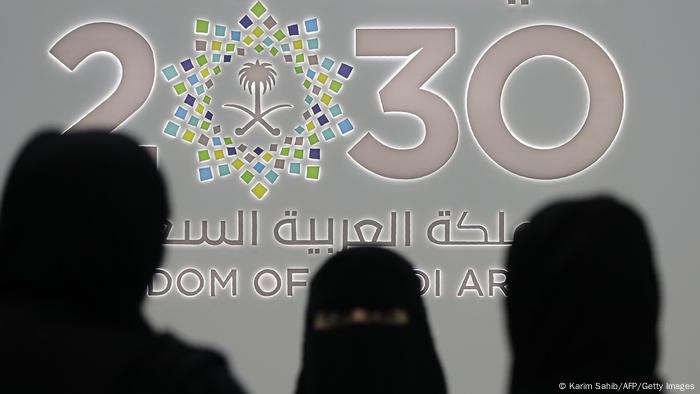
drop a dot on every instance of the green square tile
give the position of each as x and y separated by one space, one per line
205 125
247 176
228 140
284 151
279 35
335 86
258 9
313 139
230 47
202 60
202 26
274 51
217 70
307 84
313 172
299 69
180 88
299 58
207 99
203 155
298 153
259 48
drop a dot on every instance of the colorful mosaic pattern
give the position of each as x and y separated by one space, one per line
221 154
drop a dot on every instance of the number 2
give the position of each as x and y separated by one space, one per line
137 63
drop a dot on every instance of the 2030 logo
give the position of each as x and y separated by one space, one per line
297 150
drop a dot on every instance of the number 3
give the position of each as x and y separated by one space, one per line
404 93
137 62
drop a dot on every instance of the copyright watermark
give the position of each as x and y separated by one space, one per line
628 386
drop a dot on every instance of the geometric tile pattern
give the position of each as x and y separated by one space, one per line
296 152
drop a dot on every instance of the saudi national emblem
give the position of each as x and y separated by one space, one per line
254 77
251 49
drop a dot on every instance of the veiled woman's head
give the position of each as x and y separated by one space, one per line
82 222
367 329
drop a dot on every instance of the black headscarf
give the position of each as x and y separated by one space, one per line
89 200
81 234
583 298
368 358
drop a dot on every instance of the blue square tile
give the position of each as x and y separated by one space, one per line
231 151
209 115
328 134
259 167
170 72
311 74
322 120
271 176
180 113
293 30
312 43
327 63
315 154
189 100
336 111
187 65
224 170
171 129
192 79
311 25
216 141
245 22
345 126
235 35
344 70
205 174
316 108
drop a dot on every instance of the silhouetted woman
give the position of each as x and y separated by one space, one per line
81 231
367 330
583 298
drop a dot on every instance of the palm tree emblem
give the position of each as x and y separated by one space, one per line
255 77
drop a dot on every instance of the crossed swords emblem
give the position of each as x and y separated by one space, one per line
253 77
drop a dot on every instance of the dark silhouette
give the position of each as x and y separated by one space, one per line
583 298
81 231
367 330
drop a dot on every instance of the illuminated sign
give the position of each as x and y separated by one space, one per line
221 151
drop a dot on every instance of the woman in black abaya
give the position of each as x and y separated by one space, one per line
81 233
583 299
367 329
